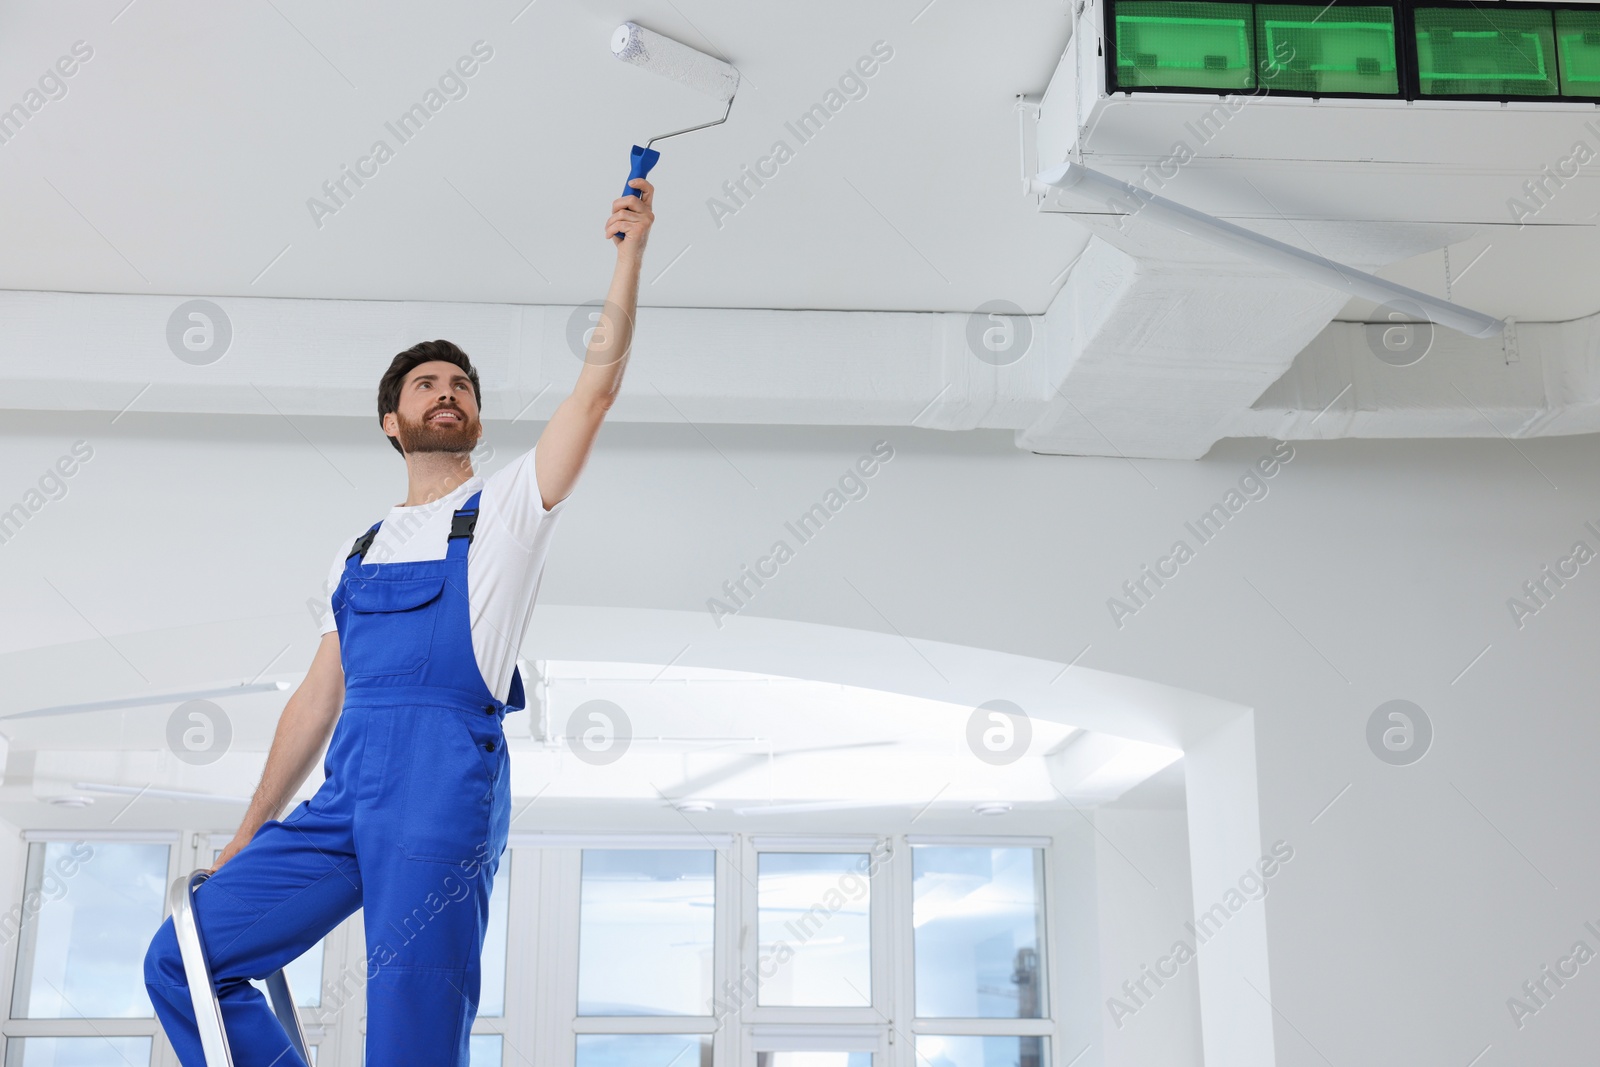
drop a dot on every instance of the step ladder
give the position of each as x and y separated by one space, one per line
207 1010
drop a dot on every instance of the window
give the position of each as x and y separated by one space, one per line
84 917
640 1050
645 932
88 909
76 1051
979 932
492 979
483 1050
979 947
814 914
819 1047
969 1051
674 950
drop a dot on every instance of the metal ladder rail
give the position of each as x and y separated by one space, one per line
207 1009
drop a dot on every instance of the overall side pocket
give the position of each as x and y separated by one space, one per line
448 791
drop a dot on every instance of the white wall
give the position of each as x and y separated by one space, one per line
1414 906
1142 871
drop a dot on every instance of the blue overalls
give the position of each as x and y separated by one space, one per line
409 826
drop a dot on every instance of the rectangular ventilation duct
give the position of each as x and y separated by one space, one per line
1406 49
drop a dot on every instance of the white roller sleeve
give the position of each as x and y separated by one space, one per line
632 43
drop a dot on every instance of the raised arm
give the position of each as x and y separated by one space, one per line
564 445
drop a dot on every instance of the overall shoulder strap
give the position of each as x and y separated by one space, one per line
462 524
364 542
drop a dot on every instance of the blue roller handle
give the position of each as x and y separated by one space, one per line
640 160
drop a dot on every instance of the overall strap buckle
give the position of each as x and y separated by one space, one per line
464 519
363 543
463 523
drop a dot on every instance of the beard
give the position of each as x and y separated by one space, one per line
425 436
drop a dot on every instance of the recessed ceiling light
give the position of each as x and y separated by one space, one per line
71 800
992 807
693 805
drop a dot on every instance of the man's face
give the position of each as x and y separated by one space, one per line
437 412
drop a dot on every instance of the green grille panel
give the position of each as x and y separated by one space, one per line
1486 51
1408 49
1171 44
1328 49
1578 46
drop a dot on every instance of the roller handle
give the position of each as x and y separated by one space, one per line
640 161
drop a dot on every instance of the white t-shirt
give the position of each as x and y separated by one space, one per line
504 562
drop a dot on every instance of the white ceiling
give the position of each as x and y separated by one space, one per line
181 159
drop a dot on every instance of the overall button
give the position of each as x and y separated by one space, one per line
489 710
489 745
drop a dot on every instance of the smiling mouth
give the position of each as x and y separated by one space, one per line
446 415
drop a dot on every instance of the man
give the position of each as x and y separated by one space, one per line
412 680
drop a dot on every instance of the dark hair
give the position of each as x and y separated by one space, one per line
407 361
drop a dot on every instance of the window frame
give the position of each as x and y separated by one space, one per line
561 857
544 896
1048 1025
150 1027
880 948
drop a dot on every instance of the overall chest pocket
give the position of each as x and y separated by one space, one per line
390 624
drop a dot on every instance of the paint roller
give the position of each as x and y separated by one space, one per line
632 43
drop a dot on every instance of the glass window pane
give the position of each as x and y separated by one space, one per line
1329 50
87 915
815 946
1578 37
814 1059
77 1051
978 932
305 977
937 1051
643 1050
645 932
1472 51
304 974
492 988
483 1050
1178 43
